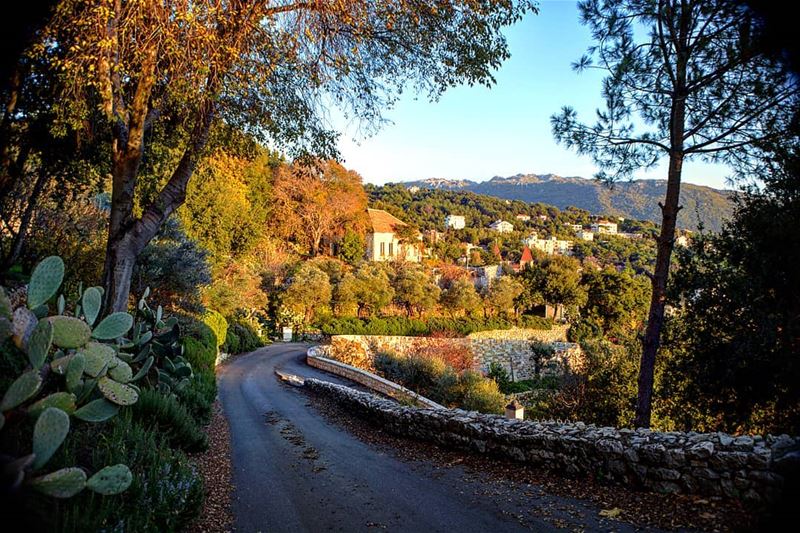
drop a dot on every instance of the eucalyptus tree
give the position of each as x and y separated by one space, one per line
266 67
685 79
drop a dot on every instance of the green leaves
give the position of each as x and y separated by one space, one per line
113 326
63 483
98 410
23 388
60 400
98 356
110 480
45 281
49 432
75 369
92 300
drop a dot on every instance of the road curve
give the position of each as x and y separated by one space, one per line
293 470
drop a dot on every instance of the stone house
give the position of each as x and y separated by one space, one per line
383 243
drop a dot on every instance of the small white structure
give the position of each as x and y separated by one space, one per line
455 221
287 334
515 410
549 246
523 218
604 226
585 235
501 226
575 227
682 240
382 242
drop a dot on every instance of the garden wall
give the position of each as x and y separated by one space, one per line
713 464
508 348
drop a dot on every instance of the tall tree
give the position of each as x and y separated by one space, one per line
685 79
264 67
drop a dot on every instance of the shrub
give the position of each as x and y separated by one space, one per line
218 325
166 413
242 336
477 393
166 493
200 346
199 395
451 327
231 345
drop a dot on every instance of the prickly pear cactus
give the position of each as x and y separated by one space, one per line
98 356
49 432
110 480
92 300
45 281
98 410
39 343
113 326
118 393
121 372
61 400
70 332
23 388
64 483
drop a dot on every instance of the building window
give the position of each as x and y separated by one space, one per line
391 249
383 249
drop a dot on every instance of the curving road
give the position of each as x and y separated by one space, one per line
295 471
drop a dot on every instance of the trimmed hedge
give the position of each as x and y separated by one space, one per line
414 327
242 337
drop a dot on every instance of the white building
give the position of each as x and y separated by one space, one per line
501 226
585 235
455 221
575 227
523 218
383 244
548 246
604 226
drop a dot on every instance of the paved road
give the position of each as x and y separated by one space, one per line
295 471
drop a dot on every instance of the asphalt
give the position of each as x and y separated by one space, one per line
296 471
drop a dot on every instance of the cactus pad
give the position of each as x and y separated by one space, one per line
70 332
59 365
63 483
49 432
144 370
119 393
23 388
6 329
98 410
75 369
121 372
61 400
45 281
92 300
98 356
110 480
113 326
23 325
39 343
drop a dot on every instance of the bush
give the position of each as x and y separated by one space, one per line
218 325
231 345
453 327
477 393
165 413
242 336
199 395
166 493
433 378
200 347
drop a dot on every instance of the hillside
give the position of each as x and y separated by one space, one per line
635 199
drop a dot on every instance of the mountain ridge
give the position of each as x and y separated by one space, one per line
702 205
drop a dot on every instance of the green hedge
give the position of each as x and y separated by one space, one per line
242 337
415 327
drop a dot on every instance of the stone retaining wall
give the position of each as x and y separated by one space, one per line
315 357
699 463
508 348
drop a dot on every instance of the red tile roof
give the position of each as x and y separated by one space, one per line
527 256
383 222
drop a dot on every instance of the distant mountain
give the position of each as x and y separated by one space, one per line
631 199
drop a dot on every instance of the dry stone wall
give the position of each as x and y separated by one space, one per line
698 463
508 348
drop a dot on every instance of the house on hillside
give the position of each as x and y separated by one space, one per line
585 235
548 246
604 226
384 243
523 218
526 258
455 222
501 226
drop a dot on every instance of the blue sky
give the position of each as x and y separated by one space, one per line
477 133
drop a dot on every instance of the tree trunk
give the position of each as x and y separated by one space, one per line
666 239
25 220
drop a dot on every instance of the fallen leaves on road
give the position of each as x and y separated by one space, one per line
215 467
611 513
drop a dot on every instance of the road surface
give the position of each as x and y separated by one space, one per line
295 471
